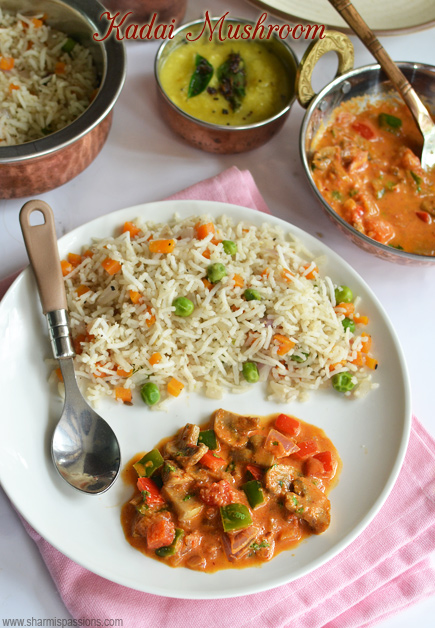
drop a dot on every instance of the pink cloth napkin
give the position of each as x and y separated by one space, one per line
384 570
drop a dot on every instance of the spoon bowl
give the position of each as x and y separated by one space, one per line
84 448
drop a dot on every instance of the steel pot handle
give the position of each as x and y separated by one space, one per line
333 41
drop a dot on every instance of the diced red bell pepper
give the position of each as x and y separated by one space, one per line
211 461
255 471
288 424
306 448
364 130
160 533
328 462
150 492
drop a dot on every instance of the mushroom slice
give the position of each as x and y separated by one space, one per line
184 447
310 504
234 429
279 477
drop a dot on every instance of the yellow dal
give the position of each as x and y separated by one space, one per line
268 87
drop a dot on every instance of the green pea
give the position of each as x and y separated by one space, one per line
250 372
342 382
183 306
302 357
150 393
69 45
230 247
216 272
348 324
343 294
252 295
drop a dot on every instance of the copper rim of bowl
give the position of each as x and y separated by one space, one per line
212 125
388 251
112 79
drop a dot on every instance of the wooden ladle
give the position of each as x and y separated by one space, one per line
396 76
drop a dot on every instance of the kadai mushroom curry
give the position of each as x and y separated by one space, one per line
366 166
234 493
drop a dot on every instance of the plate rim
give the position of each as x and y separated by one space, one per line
338 547
263 4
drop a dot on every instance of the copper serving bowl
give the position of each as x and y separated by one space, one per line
365 81
44 164
215 138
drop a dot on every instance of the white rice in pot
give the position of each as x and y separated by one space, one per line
206 350
42 87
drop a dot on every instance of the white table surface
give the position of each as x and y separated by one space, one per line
144 161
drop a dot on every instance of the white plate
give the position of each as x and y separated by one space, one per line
370 434
384 18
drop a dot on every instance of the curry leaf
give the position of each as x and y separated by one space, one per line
201 76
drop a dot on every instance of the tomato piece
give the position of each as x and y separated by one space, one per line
160 533
255 471
364 130
328 462
306 448
217 494
288 424
150 491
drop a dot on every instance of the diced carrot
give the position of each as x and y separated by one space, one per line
207 254
13 87
345 308
111 266
152 494
82 289
77 342
238 281
306 448
212 461
36 22
371 363
29 43
313 273
285 344
155 358
361 320
135 297
7 63
60 67
122 373
202 231
66 267
88 253
124 394
360 359
287 275
160 533
59 374
74 259
215 241
367 342
162 246
151 319
131 228
334 366
174 387
266 272
207 283
288 425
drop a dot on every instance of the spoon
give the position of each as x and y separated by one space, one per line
84 448
396 76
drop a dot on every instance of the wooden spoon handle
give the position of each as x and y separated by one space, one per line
359 26
41 246
396 76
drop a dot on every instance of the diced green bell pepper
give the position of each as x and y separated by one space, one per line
235 517
146 466
169 550
208 437
254 493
